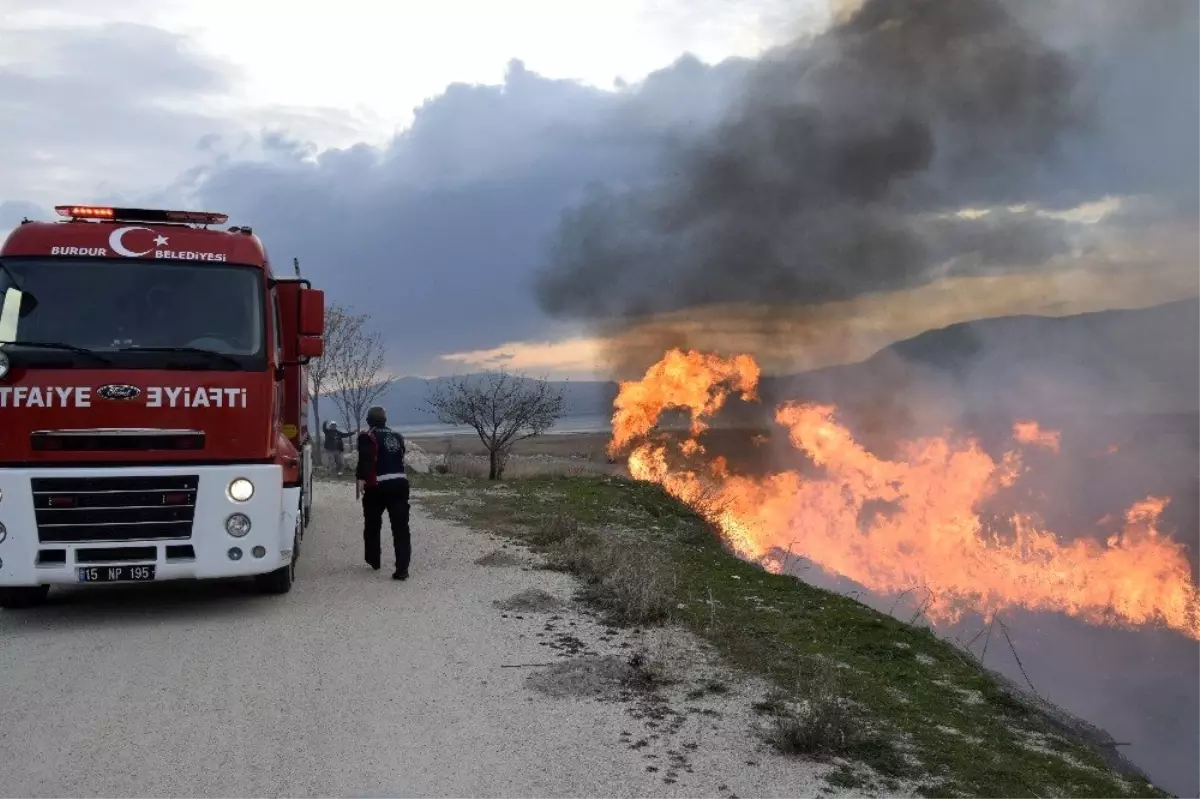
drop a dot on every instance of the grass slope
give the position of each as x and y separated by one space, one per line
853 683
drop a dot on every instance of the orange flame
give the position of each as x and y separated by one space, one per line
931 536
1030 432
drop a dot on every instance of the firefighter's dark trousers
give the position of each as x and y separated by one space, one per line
390 496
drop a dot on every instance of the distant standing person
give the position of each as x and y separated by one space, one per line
335 446
384 486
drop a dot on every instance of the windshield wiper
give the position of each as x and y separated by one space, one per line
195 350
57 345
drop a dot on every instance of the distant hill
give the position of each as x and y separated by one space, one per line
1122 361
1150 345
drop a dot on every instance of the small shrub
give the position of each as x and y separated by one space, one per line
633 591
554 530
627 583
823 724
582 555
796 734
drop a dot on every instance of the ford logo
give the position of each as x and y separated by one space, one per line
118 392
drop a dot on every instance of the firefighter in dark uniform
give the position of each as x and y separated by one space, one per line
384 487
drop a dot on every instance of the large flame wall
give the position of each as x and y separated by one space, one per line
930 535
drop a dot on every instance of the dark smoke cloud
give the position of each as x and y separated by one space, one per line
839 170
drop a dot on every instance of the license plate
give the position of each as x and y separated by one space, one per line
116 574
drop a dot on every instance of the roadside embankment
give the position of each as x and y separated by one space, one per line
885 706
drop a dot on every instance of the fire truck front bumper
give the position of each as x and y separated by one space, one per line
103 525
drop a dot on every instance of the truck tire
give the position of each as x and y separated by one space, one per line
280 581
23 596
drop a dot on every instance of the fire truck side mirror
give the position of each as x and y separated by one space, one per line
312 315
310 347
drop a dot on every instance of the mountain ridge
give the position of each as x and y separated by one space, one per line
1145 359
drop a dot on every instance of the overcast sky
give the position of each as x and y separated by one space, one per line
418 157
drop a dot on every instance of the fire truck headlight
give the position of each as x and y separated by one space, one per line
241 489
3 365
237 525
3 532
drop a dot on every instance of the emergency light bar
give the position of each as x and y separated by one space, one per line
140 215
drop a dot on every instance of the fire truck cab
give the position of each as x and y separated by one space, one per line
153 403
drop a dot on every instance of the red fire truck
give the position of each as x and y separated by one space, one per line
153 411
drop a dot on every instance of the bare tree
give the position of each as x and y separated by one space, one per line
357 378
342 331
502 408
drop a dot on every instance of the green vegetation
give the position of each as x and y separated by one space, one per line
852 682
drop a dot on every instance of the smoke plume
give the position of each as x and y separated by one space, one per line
841 170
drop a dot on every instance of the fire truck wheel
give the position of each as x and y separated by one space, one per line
19 597
280 581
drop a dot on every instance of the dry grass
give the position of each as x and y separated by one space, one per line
628 583
582 554
518 467
587 446
633 591
555 530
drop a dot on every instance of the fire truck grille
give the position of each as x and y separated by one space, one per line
120 441
89 509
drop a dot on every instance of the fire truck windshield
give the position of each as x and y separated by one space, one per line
138 314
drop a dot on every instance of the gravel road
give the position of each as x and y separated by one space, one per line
354 685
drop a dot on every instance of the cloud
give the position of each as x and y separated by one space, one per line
103 111
437 235
440 233
577 356
101 108
12 212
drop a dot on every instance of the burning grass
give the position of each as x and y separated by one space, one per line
854 683
913 517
